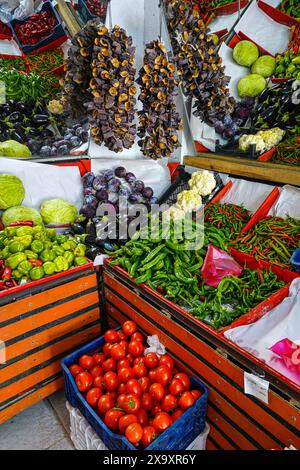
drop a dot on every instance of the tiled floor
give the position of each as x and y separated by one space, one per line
43 426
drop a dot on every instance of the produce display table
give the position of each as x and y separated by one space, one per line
265 171
237 421
39 326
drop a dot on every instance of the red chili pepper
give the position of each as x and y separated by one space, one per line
6 275
36 262
18 223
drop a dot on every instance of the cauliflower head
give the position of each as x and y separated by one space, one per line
249 139
188 201
202 182
271 137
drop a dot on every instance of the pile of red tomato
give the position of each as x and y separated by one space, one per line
136 395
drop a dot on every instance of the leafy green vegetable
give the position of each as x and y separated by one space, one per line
21 213
264 66
251 85
12 191
245 53
58 211
12 148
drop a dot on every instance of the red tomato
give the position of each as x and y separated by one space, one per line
156 409
121 336
112 394
162 421
166 360
135 348
186 400
110 380
196 394
176 387
123 363
137 336
111 336
168 403
133 386
132 403
105 403
156 391
109 364
125 374
124 345
96 371
121 388
121 400
99 358
163 375
146 401
86 362
111 419
117 352
139 361
130 358
75 369
145 383
98 382
134 433
152 375
106 349
140 370
84 381
184 379
92 396
142 417
176 414
151 360
125 421
129 327
149 435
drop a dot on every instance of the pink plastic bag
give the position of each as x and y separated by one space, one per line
218 264
289 352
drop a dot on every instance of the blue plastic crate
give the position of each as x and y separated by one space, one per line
178 437
57 33
295 260
84 12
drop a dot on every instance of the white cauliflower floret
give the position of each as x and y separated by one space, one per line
174 213
249 139
272 137
188 201
202 182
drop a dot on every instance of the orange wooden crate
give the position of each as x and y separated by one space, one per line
40 328
237 421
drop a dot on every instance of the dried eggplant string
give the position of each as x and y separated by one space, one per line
159 122
113 89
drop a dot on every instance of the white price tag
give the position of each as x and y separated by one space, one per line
99 260
256 386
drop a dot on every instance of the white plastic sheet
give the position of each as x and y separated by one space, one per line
232 69
10 48
43 182
152 173
281 322
288 203
248 193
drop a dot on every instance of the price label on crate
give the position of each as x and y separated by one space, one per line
256 387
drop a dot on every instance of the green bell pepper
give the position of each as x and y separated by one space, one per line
37 246
39 233
23 231
47 255
61 239
10 231
79 250
80 260
61 264
31 255
72 244
5 253
13 261
25 239
16 247
68 255
51 233
16 274
49 268
67 246
37 273
24 267
58 250
48 245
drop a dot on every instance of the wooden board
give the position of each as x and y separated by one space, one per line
245 167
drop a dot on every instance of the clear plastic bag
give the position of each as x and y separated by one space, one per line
155 346
24 9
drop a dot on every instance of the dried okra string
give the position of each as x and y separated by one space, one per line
159 121
113 89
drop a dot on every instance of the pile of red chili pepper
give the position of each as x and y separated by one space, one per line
5 30
97 7
45 61
273 239
288 152
37 27
294 39
6 281
228 218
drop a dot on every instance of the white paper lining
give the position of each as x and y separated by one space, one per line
248 193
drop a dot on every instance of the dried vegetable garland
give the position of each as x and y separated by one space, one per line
198 64
159 122
113 89
78 74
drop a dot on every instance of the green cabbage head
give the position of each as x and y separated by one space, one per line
251 85
58 211
21 213
12 191
264 65
245 53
